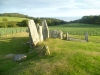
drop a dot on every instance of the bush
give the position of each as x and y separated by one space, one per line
11 24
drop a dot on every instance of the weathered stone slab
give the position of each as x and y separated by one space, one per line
54 34
60 34
86 36
19 57
67 36
33 34
40 33
45 30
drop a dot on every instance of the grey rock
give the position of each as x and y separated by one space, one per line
45 30
86 36
67 36
46 50
40 33
33 34
19 57
56 34
60 34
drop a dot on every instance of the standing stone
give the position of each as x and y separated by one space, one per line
33 34
45 30
60 34
40 33
67 36
86 36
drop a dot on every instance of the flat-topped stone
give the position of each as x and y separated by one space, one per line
56 34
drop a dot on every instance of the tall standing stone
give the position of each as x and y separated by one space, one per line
45 30
60 34
33 32
67 36
40 33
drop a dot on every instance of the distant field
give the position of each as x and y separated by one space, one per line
12 19
6 31
74 29
78 29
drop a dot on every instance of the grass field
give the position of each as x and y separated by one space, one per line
67 57
6 31
12 19
74 29
78 29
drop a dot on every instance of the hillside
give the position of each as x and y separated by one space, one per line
18 19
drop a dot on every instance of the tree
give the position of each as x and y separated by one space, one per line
4 23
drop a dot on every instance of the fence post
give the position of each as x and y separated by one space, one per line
67 36
86 36
0 34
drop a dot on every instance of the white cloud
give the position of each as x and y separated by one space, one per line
51 8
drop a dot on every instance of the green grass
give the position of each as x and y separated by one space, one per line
67 57
12 19
78 29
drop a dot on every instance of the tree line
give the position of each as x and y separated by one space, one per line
23 23
14 15
92 19
6 23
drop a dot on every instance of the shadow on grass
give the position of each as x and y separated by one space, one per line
13 45
18 45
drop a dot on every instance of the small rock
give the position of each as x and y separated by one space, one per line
19 57
46 50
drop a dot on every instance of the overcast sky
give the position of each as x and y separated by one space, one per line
51 8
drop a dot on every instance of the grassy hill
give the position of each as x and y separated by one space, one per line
12 19
67 57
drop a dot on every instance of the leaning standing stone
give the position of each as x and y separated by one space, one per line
33 34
